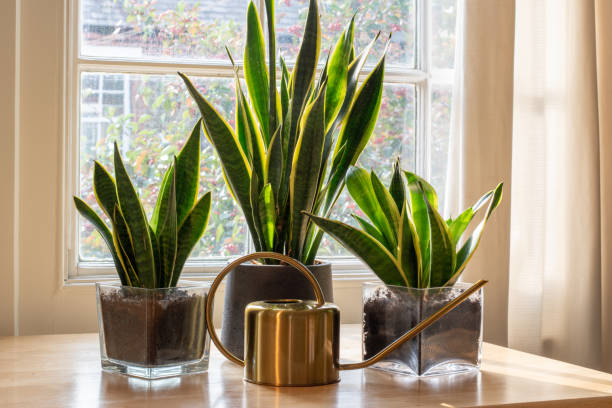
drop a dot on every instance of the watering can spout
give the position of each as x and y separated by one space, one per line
291 342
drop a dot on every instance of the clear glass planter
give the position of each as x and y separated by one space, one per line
153 333
451 345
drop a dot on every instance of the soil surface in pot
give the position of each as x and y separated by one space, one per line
389 313
153 329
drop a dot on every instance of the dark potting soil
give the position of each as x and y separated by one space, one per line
389 313
153 329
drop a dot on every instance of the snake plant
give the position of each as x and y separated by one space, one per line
291 147
151 253
406 242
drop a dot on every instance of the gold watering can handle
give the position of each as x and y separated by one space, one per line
257 255
416 329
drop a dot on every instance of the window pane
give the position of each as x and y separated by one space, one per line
397 16
151 119
443 19
441 99
186 29
394 135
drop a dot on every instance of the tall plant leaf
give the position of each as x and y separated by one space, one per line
365 247
396 188
304 174
409 254
161 205
420 184
235 166
168 235
190 233
387 206
274 163
187 181
255 71
467 250
420 215
360 187
122 239
135 217
271 19
358 128
267 216
443 256
90 215
337 73
370 229
104 189
304 71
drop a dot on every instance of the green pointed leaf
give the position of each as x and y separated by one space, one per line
387 206
273 117
156 257
396 188
354 71
370 229
420 215
267 216
359 185
252 136
187 181
134 214
168 235
303 180
104 189
409 253
304 71
90 215
255 70
414 181
357 129
274 163
190 233
284 94
458 225
257 235
467 250
443 255
188 174
236 168
365 247
161 205
122 239
337 73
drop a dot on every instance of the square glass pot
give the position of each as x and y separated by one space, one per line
450 345
153 333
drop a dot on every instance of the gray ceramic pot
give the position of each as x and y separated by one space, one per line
251 282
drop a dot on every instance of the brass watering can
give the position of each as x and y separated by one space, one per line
291 342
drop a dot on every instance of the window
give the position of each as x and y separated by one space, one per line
123 86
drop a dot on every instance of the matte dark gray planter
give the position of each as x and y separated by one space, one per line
251 282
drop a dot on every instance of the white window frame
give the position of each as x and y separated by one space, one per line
345 268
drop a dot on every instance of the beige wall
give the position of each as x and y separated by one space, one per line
7 134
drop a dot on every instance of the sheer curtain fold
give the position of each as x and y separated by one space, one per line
486 145
560 287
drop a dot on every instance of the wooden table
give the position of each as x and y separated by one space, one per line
64 371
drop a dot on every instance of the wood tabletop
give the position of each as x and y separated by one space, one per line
64 371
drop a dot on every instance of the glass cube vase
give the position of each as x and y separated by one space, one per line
451 345
153 333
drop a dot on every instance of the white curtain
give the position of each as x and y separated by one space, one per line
560 270
481 144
